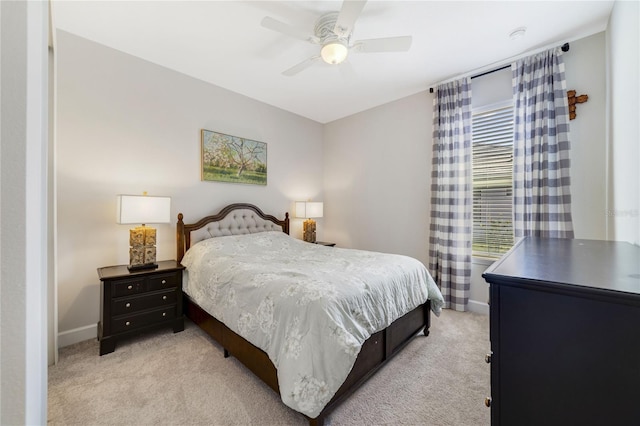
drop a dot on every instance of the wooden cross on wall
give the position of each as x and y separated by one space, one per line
573 100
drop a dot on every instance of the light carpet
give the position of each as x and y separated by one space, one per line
163 378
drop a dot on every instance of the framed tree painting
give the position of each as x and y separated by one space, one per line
227 158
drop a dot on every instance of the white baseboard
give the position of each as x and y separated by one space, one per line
478 307
80 334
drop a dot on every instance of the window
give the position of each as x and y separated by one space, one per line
492 181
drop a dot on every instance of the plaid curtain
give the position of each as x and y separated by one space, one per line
541 196
451 193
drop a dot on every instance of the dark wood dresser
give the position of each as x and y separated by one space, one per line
565 333
132 302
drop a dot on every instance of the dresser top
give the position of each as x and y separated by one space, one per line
611 266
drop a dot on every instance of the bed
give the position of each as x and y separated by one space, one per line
242 254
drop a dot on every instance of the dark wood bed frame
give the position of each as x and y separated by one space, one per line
376 351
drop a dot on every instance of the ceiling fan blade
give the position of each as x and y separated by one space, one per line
281 27
347 71
301 66
389 44
347 18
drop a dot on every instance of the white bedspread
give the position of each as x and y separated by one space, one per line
309 307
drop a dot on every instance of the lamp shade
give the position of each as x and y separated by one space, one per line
308 209
143 209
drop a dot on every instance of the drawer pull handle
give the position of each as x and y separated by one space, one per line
164 281
164 314
487 402
127 323
487 358
129 287
128 305
164 297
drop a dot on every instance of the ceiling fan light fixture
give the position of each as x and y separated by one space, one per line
334 52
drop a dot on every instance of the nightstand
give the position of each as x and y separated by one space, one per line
324 243
137 301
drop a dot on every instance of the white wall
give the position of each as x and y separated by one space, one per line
376 176
23 208
623 47
126 126
378 163
585 70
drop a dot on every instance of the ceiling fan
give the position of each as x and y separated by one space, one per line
333 32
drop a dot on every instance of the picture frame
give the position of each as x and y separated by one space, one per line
227 158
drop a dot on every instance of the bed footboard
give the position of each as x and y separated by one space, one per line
378 349
375 353
251 356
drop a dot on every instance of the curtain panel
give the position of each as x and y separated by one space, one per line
541 183
451 193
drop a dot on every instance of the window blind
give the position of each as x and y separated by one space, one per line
492 182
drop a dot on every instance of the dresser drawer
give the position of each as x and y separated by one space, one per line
128 287
161 282
126 305
132 322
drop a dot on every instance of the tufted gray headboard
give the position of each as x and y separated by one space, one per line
234 219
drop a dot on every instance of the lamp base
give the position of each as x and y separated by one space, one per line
142 266
142 253
309 231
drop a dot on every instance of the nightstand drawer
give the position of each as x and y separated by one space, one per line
162 282
128 287
126 305
131 322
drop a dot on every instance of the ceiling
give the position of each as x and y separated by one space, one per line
223 43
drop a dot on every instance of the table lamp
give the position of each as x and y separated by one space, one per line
142 209
309 210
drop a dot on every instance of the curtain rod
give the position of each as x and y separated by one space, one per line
565 48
